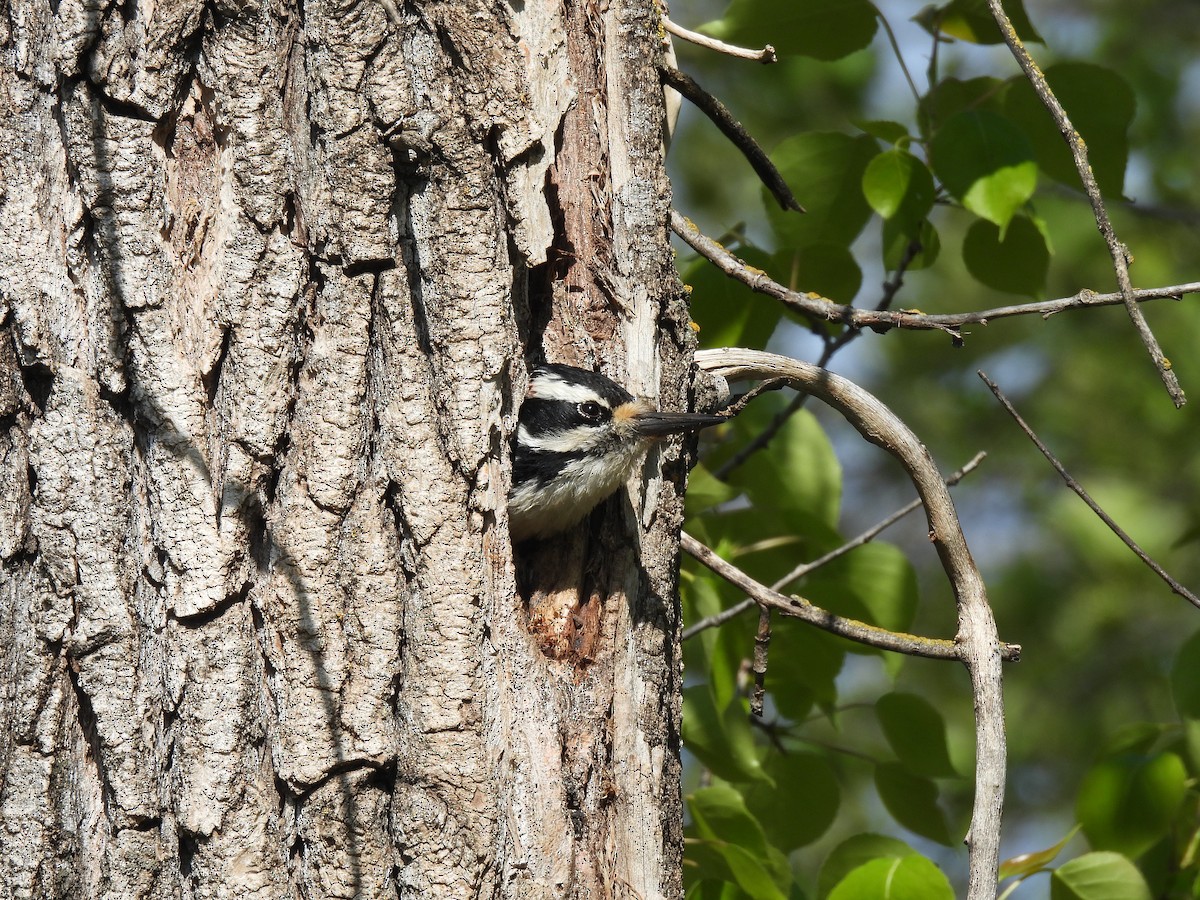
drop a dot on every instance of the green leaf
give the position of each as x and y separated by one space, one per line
704 595
720 738
986 162
898 185
729 313
1185 679
704 490
751 874
854 852
1025 864
912 801
722 818
1185 688
825 171
721 814
826 269
788 823
822 29
798 470
874 582
898 235
916 733
971 20
806 671
707 655
1128 803
716 870
703 864
1017 263
890 132
1101 106
1136 738
952 96
1098 876
911 878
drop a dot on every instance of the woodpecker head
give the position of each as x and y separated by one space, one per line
579 438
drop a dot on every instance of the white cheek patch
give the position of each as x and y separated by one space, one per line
582 437
550 387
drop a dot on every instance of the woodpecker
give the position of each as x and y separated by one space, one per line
579 438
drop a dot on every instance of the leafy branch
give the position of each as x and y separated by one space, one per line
814 306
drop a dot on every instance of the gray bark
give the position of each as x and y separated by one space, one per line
269 280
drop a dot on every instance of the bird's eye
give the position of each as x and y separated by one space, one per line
591 410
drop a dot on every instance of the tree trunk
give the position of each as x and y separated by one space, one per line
270 278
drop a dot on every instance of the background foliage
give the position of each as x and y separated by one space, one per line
857 784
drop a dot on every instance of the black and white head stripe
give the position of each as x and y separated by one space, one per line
566 410
579 438
566 383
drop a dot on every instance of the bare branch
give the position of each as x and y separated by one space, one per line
803 569
1086 498
716 620
823 309
765 55
732 129
1118 251
874 531
826 310
798 607
976 643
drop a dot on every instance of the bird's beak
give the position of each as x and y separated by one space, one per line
655 424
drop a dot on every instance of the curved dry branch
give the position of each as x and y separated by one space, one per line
977 642
1118 251
880 320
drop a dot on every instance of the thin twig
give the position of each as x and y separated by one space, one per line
1084 496
976 643
773 427
891 287
762 646
803 569
823 309
798 607
766 55
732 129
1117 250
718 619
761 439
1177 215
875 530
912 85
743 400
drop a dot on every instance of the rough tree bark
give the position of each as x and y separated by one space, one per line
270 277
